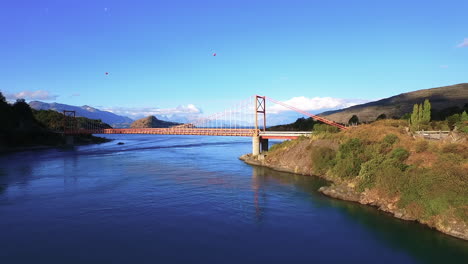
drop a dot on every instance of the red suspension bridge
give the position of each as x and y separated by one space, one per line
248 118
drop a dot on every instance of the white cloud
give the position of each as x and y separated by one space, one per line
181 113
463 44
444 66
32 95
315 104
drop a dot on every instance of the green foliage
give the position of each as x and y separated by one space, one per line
282 145
2 99
406 116
453 120
6 115
423 191
349 158
414 119
399 154
368 172
301 124
436 190
323 159
390 139
325 128
22 126
381 116
426 116
354 120
464 117
421 115
442 114
50 119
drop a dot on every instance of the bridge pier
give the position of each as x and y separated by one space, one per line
259 145
255 145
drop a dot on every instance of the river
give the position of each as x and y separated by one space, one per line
186 199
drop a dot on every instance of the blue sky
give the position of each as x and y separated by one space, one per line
159 53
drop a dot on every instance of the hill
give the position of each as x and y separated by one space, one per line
114 120
443 99
152 122
383 164
24 128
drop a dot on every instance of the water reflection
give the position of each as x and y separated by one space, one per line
426 245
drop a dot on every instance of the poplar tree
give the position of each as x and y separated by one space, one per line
426 112
464 116
420 114
414 116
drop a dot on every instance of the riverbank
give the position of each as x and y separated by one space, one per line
384 166
57 142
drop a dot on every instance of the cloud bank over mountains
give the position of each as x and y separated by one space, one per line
32 95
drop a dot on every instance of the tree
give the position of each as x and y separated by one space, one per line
2 98
464 117
421 115
6 119
426 112
453 120
353 120
381 116
406 116
414 119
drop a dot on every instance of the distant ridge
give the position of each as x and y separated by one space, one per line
397 106
152 122
114 120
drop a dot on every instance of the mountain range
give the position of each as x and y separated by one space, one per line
112 119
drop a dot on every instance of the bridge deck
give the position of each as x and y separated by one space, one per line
283 134
241 132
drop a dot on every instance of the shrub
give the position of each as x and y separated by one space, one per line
368 172
390 139
325 128
421 145
322 159
450 148
349 158
400 154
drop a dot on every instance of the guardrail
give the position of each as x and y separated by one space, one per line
437 135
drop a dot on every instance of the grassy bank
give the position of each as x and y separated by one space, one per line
384 165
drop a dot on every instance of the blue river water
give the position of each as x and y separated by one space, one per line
188 199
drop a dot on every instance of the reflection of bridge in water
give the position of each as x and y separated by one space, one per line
245 119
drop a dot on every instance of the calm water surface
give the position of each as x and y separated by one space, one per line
184 199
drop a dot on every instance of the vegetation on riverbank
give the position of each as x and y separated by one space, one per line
21 127
383 164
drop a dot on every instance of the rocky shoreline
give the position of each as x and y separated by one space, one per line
345 191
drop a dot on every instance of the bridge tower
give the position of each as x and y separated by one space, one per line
69 126
259 144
